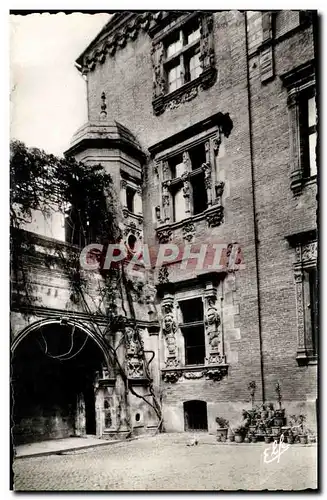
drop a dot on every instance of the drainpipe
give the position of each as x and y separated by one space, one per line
255 225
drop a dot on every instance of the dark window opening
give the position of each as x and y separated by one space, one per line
200 199
177 195
198 156
130 194
137 417
193 331
131 241
195 416
311 310
192 310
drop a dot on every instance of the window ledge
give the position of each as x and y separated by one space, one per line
304 359
214 216
213 372
298 182
186 92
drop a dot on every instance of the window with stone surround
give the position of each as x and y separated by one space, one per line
306 286
182 58
192 332
187 170
300 85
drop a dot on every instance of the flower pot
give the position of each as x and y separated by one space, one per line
275 430
238 438
290 439
231 438
222 434
280 413
246 440
278 421
304 439
267 439
254 439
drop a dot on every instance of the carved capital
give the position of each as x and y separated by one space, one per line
164 235
188 231
171 377
216 217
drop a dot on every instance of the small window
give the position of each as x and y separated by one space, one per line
200 199
130 195
174 77
177 166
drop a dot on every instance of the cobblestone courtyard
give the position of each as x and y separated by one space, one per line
166 462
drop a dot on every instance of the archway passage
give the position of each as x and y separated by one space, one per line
195 416
53 373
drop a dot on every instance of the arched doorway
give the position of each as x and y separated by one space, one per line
53 370
195 415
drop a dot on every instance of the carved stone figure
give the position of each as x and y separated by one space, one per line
212 323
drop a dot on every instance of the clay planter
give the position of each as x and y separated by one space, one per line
231 438
280 413
290 439
246 440
303 439
278 421
267 439
238 438
254 439
222 434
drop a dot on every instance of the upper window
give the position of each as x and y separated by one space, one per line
193 331
182 61
300 84
130 195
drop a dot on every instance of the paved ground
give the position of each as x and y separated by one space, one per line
56 445
165 462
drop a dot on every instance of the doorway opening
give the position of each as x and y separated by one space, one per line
53 372
195 415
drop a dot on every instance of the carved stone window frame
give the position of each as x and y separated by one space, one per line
163 100
215 366
305 246
300 84
208 132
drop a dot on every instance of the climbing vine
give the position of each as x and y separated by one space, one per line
84 195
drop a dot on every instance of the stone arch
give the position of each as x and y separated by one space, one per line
52 321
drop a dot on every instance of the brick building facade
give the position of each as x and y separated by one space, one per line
207 124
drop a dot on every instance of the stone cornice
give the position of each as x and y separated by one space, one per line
119 30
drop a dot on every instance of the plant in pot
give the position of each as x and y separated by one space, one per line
222 429
267 435
303 433
271 412
239 433
253 437
231 436
250 417
264 411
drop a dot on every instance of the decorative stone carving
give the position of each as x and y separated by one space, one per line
164 235
216 359
216 217
188 95
309 251
188 231
194 375
134 367
134 361
171 376
158 212
163 275
157 54
103 113
219 188
171 362
166 202
212 323
216 374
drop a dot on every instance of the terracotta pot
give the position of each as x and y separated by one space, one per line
267 439
304 439
231 438
254 439
290 439
252 428
246 440
222 434
278 421
238 438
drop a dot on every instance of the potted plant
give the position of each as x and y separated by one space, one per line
267 436
303 434
222 429
271 412
239 433
231 436
246 438
264 411
289 437
254 438
250 417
